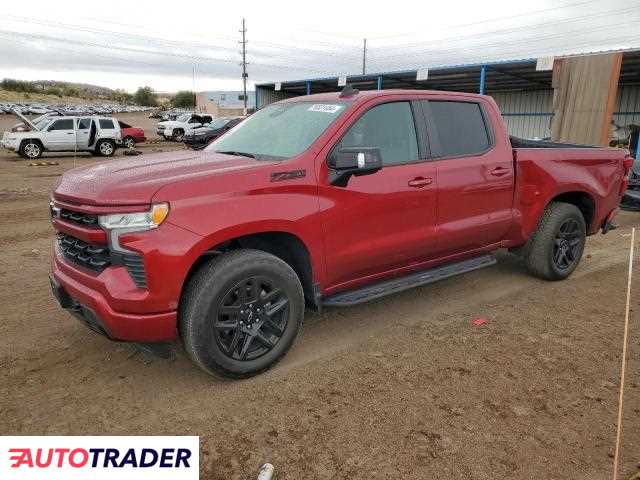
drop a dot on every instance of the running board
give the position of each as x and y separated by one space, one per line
396 285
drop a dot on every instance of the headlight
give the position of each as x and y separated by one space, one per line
120 223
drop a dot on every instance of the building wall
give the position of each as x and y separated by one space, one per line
527 114
220 104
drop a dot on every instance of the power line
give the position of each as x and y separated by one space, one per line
497 19
505 31
526 41
164 42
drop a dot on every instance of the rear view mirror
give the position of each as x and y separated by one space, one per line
356 161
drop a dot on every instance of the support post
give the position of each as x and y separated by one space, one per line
256 97
379 82
483 73
308 87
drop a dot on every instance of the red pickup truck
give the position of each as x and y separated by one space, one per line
324 200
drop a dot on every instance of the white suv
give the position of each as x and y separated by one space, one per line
98 135
181 126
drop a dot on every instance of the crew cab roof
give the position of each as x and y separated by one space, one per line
368 94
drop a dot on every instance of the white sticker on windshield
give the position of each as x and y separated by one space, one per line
325 108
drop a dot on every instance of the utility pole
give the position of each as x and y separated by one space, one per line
195 100
364 56
245 75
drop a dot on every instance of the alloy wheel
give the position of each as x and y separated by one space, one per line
32 150
567 244
251 318
106 148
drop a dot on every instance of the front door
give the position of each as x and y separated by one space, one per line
61 135
385 220
83 133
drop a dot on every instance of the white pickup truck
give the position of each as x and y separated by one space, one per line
97 135
181 126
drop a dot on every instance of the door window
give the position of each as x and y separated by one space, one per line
84 124
388 127
106 124
65 124
460 127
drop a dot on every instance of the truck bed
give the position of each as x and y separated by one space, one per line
517 142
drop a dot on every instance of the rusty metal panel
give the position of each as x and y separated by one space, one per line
585 90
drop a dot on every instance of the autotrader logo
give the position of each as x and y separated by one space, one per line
98 457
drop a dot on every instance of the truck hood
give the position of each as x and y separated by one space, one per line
26 121
135 180
170 123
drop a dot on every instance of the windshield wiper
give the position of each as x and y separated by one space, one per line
237 154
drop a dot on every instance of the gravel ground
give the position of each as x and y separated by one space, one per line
402 387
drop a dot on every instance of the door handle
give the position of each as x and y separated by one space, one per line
420 182
499 171
70 133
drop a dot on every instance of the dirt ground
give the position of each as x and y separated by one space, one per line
402 387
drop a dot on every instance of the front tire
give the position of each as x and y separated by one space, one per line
31 149
240 313
554 250
178 136
105 148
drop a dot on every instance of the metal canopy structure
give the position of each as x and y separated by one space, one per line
515 75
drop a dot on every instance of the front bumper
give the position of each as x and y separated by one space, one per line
92 308
196 141
9 145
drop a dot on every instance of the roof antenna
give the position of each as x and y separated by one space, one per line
348 91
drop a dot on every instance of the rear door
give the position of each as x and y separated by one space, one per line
107 128
385 220
475 175
61 135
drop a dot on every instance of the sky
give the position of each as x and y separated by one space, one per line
170 48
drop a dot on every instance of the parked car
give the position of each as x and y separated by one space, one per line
98 135
202 136
131 135
324 200
184 124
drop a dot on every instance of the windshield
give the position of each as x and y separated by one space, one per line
185 117
41 124
280 130
219 123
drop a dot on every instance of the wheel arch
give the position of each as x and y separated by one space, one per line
24 140
285 245
583 201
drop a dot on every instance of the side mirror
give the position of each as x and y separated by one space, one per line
348 161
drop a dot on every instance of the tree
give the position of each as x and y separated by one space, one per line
183 99
121 96
146 97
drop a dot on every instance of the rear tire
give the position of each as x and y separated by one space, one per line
240 313
129 142
31 149
554 250
178 135
106 148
